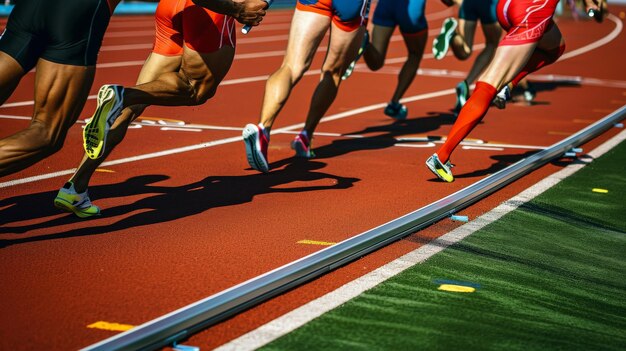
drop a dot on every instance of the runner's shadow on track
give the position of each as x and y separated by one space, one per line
41 205
172 203
502 161
541 87
385 136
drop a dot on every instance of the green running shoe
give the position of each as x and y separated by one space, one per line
462 94
70 201
441 44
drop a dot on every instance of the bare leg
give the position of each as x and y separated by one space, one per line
195 82
154 66
415 45
342 47
307 31
376 51
463 40
10 76
60 94
492 33
510 60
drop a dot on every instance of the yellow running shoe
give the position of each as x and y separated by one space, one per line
70 201
108 109
439 169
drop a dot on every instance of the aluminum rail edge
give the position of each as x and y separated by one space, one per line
180 324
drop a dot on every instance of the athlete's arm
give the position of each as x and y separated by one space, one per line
248 12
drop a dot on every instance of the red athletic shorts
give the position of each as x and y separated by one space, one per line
348 15
181 22
525 21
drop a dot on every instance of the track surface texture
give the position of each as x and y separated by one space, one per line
178 225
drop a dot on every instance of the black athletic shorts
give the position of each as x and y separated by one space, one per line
62 31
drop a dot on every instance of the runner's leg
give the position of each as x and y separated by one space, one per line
60 94
376 51
507 62
10 76
342 47
154 66
492 32
307 31
415 44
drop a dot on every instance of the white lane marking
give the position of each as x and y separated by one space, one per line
307 312
612 36
223 141
470 147
596 44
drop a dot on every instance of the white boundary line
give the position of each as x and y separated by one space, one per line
222 141
579 51
302 315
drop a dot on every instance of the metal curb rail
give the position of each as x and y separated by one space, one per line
180 324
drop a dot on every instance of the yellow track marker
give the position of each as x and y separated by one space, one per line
105 170
313 242
599 190
456 288
110 326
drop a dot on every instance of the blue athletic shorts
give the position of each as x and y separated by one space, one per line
407 14
475 10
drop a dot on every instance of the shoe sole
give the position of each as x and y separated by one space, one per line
96 131
446 34
62 204
400 116
253 154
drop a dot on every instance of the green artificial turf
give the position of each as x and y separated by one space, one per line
550 275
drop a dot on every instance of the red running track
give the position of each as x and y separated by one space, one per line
184 217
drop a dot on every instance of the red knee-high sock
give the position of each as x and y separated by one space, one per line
539 58
472 112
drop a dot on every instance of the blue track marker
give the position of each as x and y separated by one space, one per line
180 347
459 218
247 28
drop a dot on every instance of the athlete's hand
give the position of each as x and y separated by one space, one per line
250 12
596 9
591 5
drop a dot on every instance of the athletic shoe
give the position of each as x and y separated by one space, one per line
530 93
302 145
462 93
439 169
396 110
70 201
256 140
441 44
502 97
350 69
108 109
